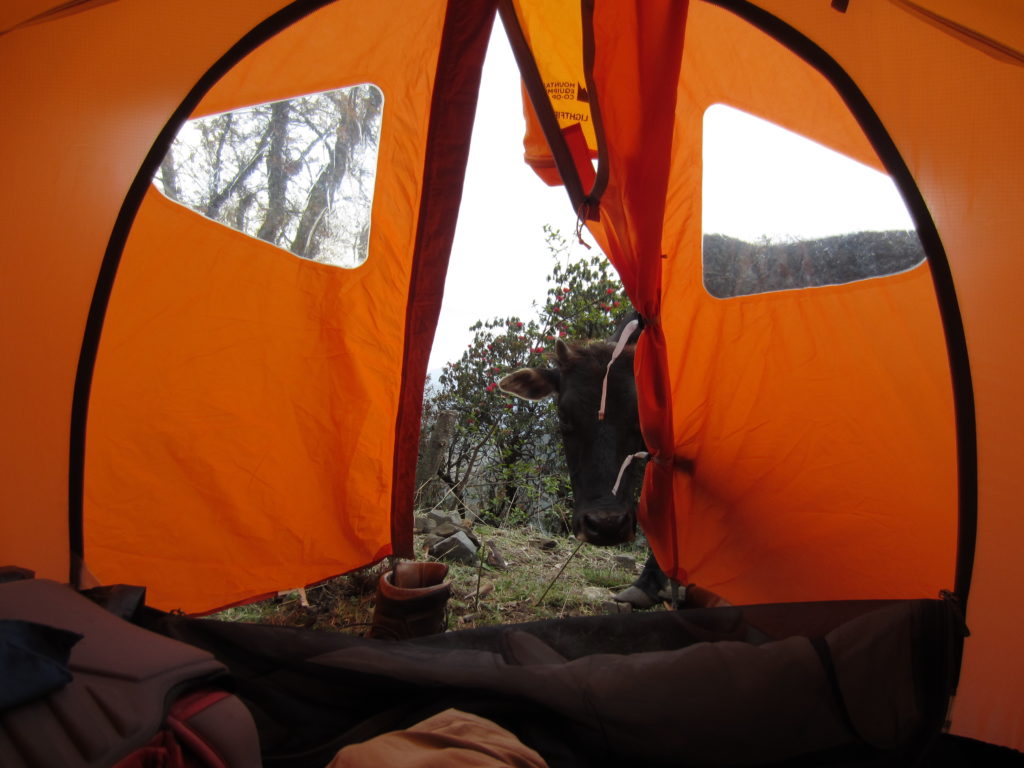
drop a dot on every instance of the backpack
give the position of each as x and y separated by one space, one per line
81 687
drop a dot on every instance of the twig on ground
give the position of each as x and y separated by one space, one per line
479 573
550 585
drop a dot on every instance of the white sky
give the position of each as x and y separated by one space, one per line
760 179
498 261
751 188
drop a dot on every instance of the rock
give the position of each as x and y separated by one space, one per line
494 557
431 539
445 529
457 547
544 543
439 516
626 562
595 594
421 524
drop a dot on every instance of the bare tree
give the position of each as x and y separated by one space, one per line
296 173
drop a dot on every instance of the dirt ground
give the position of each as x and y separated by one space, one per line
526 590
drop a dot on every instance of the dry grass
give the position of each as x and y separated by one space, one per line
481 594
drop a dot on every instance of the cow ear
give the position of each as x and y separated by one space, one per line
564 354
530 383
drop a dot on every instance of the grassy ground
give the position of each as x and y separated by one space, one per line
481 594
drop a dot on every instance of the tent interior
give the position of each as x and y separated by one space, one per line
191 409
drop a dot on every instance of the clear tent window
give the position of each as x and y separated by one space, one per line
297 173
781 212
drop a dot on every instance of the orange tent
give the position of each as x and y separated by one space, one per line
192 409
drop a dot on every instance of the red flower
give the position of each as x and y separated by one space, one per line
538 350
491 386
610 291
519 325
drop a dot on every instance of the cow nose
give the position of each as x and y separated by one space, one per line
605 527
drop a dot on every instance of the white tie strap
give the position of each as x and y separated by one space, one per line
622 470
619 346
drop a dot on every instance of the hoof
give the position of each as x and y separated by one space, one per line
636 597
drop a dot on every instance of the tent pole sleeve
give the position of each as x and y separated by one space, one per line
465 37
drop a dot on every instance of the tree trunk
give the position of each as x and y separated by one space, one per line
277 174
321 196
169 176
428 485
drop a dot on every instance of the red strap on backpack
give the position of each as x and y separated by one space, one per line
177 745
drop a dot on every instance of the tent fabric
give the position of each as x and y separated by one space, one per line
247 381
89 121
211 431
192 320
880 383
963 149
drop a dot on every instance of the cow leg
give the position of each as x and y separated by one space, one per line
649 588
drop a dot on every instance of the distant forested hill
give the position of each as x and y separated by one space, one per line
734 267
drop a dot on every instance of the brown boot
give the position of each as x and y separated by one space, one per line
411 601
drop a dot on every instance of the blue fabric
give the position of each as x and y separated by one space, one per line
33 660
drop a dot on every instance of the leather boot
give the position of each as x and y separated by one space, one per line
412 601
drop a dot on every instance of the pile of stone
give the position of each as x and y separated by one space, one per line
447 536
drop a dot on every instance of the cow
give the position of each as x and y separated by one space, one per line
595 390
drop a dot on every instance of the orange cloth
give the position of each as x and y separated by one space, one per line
451 739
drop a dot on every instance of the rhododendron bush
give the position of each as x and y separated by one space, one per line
504 462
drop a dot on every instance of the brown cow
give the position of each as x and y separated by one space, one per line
602 449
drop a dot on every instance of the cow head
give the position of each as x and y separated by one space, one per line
595 449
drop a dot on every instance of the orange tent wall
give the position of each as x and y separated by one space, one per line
235 443
950 101
819 420
84 97
254 389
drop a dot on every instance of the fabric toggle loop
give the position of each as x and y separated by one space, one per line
622 470
619 346
581 214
